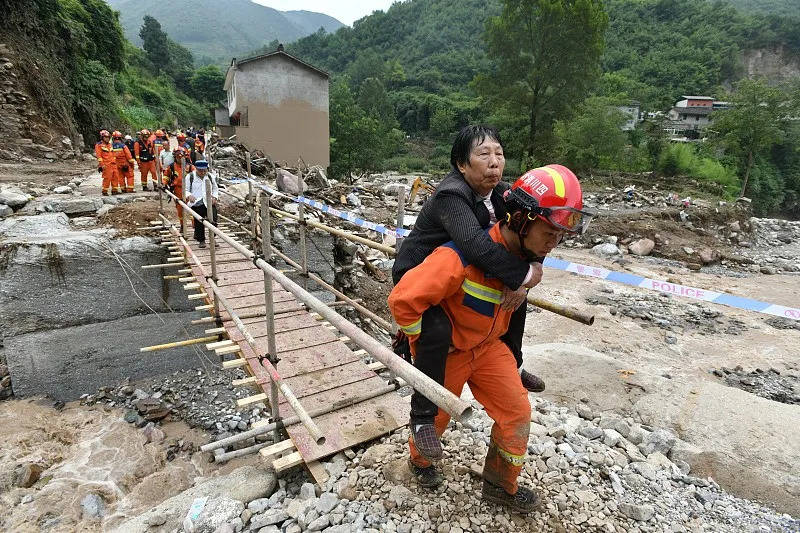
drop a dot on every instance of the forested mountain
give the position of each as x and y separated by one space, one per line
217 30
783 8
419 69
655 49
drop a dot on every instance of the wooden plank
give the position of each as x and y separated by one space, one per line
318 472
244 382
283 324
339 394
349 426
227 349
233 363
256 398
285 463
275 449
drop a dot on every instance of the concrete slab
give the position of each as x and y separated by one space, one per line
52 276
68 362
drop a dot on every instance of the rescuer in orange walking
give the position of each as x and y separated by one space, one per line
173 178
146 159
542 205
124 165
106 161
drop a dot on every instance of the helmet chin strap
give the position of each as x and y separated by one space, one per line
521 233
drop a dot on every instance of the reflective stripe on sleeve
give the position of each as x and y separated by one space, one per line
412 329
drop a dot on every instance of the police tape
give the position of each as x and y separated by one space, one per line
676 289
596 272
349 216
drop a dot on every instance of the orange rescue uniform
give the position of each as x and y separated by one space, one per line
472 302
107 163
143 152
173 179
124 167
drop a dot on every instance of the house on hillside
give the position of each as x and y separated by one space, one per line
278 103
632 112
691 115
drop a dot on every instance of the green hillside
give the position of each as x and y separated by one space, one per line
781 8
217 30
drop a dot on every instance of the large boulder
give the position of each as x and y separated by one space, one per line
289 183
242 485
641 247
14 197
748 444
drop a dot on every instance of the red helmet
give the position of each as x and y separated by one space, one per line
181 136
145 132
159 133
104 133
552 193
117 134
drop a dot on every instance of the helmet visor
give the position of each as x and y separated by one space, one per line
568 218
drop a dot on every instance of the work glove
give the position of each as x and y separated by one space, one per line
124 168
100 168
401 347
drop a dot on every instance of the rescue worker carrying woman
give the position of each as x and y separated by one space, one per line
541 206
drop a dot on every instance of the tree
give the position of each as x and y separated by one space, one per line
207 84
593 137
359 142
546 56
753 124
156 43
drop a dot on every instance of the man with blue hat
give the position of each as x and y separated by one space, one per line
195 191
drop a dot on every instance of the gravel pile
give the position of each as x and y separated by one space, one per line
775 247
594 473
204 399
663 311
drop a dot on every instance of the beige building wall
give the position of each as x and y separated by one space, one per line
286 109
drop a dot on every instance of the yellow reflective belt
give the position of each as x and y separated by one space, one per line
412 329
482 292
516 460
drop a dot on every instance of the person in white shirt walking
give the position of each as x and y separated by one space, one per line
195 194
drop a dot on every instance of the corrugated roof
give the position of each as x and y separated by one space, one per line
693 110
697 97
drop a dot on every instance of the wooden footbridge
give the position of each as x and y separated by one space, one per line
317 372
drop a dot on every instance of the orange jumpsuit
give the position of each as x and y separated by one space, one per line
107 162
123 167
472 302
173 179
143 152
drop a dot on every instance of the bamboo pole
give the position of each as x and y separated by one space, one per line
443 398
177 344
269 305
212 239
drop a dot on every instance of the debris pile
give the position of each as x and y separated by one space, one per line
771 384
663 311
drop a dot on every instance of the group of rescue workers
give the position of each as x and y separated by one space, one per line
182 168
461 281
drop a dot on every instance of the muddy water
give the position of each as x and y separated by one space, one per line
86 453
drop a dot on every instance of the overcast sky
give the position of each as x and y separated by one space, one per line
346 11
